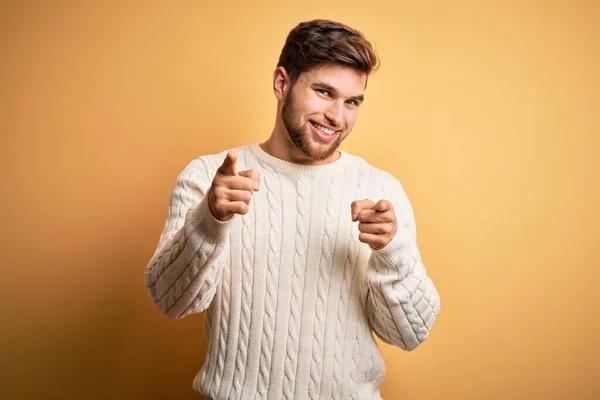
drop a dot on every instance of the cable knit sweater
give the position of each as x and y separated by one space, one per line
292 297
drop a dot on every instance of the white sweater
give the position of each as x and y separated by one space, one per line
292 296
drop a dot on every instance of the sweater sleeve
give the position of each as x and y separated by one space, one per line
183 274
401 300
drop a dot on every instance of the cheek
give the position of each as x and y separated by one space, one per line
351 119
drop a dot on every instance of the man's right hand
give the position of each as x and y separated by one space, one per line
231 191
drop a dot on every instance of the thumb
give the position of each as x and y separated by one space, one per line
229 164
359 205
254 175
383 205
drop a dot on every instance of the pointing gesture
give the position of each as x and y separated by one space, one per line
376 222
231 191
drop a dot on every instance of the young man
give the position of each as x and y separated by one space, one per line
297 250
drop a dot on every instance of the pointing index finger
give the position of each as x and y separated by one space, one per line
229 164
383 205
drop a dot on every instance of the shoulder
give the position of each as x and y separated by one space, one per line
378 176
207 164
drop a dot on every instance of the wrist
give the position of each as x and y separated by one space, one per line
204 221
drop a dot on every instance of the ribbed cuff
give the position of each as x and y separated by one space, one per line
397 254
209 227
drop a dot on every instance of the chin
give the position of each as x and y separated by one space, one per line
321 152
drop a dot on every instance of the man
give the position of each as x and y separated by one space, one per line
297 250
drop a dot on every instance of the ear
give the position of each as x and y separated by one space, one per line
280 83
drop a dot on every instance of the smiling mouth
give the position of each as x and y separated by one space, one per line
323 129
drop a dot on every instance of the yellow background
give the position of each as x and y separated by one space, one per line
488 112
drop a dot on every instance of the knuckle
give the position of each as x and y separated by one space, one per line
219 208
219 192
245 183
218 182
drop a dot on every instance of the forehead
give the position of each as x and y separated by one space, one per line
347 81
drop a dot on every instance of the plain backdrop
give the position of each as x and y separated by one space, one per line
488 112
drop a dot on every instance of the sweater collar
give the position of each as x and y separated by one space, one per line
293 168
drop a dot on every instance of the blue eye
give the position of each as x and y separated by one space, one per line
323 92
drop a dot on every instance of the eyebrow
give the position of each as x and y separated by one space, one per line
330 88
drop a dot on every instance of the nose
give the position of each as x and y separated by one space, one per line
335 113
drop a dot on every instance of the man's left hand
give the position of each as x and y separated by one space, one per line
376 222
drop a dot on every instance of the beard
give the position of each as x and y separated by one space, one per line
300 138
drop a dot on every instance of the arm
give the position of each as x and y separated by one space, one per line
182 276
401 300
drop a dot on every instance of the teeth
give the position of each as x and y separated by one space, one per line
324 130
